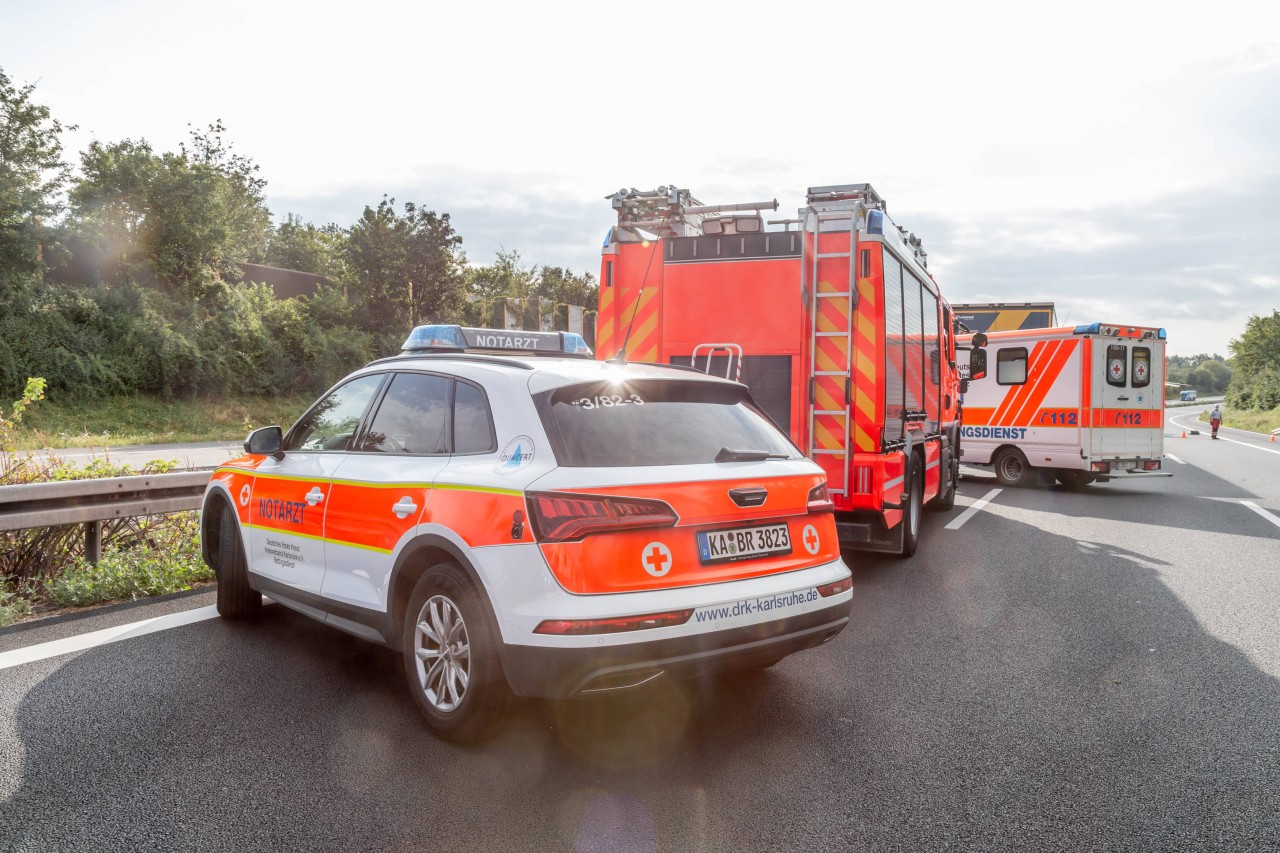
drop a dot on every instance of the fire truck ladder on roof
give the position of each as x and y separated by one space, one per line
833 299
733 362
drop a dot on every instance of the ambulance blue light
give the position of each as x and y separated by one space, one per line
1161 335
575 343
875 222
435 337
1090 329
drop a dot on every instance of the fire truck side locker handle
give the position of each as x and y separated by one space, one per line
812 379
848 390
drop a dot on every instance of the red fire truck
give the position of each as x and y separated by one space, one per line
831 319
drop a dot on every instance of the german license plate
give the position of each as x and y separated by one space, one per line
743 543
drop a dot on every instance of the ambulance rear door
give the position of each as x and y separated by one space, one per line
1128 390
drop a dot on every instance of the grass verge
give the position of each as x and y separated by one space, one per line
140 419
1253 420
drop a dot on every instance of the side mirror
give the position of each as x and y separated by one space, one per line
979 340
267 441
977 363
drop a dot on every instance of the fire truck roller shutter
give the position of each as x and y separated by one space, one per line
914 344
768 377
894 375
933 363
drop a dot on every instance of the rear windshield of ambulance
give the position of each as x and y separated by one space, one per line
654 422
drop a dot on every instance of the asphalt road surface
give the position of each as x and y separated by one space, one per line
1058 670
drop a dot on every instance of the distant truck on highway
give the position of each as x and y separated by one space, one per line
1187 396
1077 404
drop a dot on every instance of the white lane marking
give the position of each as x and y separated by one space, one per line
80 642
1247 444
973 510
1262 512
1174 458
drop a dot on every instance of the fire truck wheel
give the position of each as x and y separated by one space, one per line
911 515
451 657
236 600
1073 479
1012 468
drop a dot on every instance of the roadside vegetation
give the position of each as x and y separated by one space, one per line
44 568
145 419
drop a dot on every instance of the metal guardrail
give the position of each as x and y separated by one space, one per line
91 502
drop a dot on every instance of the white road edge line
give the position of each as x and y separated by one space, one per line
973 510
1247 444
80 642
1262 512
1174 458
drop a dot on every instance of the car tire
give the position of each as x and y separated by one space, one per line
1012 468
911 514
236 599
451 660
1072 479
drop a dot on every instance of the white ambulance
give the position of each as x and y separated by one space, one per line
1079 404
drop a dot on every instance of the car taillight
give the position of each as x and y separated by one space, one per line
1100 466
561 517
819 500
573 627
836 588
1151 465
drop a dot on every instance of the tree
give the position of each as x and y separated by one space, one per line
296 245
1255 378
406 269
32 177
184 217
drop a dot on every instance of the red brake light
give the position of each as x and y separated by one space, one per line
819 499
1151 464
562 517
571 627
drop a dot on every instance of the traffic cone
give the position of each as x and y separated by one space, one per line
1273 436
1184 433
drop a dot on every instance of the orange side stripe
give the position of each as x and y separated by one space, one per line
1013 399
1049 376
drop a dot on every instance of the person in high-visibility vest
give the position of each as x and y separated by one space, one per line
1215 419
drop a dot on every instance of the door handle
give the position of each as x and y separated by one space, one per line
314 496
404 506
1126 399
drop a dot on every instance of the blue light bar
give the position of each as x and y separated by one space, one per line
441 336
875 222
1090 329
435 337
1161 335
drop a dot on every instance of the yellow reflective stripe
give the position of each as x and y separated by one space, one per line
364 484
285 532
459 487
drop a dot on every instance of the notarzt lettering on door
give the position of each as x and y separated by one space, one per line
290 512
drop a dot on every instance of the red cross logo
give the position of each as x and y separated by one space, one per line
810 539
656 559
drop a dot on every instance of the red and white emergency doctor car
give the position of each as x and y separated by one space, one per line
520 521
1077 404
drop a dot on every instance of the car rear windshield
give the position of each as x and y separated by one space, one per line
655 422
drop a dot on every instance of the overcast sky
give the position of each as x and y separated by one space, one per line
1120 159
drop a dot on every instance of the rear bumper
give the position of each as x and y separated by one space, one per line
557 673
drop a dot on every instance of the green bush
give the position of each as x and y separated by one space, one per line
166 561
235 340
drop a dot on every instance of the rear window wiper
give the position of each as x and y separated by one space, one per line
729 455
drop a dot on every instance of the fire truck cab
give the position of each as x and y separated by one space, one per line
831 319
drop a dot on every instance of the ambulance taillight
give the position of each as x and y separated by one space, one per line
558 517
576 627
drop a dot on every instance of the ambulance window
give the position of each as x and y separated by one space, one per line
1115 365
412 417
331 423
472 425
1141 367
1011 366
